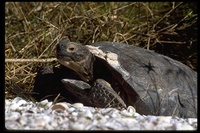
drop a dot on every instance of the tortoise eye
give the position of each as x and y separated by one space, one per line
71 48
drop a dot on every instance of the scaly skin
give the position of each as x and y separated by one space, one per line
79 59
103 95
99 95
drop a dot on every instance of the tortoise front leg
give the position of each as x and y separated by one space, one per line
103 95
100 94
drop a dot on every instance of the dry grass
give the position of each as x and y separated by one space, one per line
34 28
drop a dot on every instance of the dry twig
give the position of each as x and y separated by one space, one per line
31 60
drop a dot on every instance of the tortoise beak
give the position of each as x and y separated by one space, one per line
76 57
81 68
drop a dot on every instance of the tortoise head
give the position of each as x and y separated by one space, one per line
76 57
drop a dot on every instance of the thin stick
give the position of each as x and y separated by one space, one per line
166 15
31 60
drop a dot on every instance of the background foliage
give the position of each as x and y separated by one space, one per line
32 30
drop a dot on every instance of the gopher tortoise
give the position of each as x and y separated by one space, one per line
119 75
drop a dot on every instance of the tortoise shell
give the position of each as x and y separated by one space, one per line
151 82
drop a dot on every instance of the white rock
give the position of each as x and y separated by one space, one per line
76 126
192 121
17 99
87 114
71 109
17 103
180 126
23 121
74 114
131 109
44 102
31 116
77 105
126 113
49 104
12 116
107 111
62 106
12 125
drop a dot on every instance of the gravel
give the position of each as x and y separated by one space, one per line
44 115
